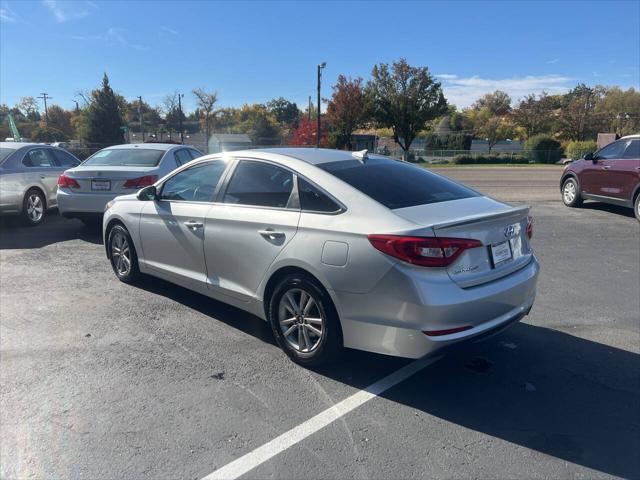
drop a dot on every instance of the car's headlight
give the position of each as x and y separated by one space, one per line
109 205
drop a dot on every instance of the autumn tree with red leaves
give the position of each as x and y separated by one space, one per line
305 134
346 110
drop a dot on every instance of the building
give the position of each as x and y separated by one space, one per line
227 142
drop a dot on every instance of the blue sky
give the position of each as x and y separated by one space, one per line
254 51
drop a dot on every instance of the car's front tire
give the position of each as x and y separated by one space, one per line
636 207
122 254
33 207
571 192
304 321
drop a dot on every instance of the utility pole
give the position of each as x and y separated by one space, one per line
140 117
77 106
180 95
318 131
309 111
46 113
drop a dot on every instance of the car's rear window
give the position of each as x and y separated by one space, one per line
4 153
396 184
125 157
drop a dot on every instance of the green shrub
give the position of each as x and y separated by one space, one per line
577 150
48 135
453 141
489 159
543 149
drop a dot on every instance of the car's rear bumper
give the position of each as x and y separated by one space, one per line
391 319
74 204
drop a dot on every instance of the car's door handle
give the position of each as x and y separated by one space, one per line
43 176
193 225
606 167
271 234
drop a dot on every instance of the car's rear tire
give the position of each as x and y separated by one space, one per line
571 193
636 207
122 254
304 321
34 207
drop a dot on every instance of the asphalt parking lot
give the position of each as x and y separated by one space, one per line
103 380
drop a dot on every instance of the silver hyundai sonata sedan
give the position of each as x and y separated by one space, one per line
334 249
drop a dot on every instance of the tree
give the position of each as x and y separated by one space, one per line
29 108
489 126
102 119
60 119
285 112
404 98
346 110
173 114
259 124
619 111
206 103
577 120
534 114
305 134
498 103
48 134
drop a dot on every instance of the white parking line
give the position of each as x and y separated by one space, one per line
279 444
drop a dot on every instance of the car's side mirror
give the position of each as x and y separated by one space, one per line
589 156
148 193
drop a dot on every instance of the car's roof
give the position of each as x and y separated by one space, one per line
313 156
627 137
145 146
17 145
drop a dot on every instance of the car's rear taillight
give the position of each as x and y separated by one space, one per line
140 181
529 226
66 182
423 251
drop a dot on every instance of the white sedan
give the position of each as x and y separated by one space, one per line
84 191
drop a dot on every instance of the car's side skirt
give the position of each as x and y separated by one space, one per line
602 198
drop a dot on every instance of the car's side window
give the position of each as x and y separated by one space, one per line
633 150
38 157
260 184
195 153
612 151
66 160
182 156
313 199
195 184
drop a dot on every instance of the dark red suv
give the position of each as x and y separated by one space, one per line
611 175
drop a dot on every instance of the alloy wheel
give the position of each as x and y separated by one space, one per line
120 254
35 208
301 320
569 191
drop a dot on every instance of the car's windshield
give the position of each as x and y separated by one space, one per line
121 157
396 184
5 152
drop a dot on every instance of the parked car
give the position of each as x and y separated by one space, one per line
610 175
334 249
28 177
84 191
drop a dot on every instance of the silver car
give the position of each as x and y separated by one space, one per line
334 249
84 191
28 176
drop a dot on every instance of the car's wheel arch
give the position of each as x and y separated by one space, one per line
278 274
635 194
112 223
39 189
566 176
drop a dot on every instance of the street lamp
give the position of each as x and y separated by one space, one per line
318 132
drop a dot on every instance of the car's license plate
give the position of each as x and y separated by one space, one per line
501 252
100 184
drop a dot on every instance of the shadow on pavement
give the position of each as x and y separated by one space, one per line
571 398
54 229
606 207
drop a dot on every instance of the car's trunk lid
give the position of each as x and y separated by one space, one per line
500 228
105 179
